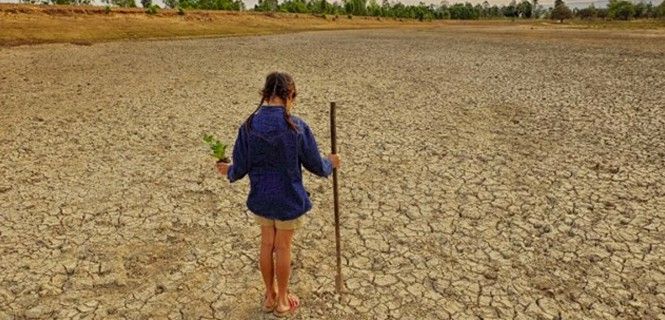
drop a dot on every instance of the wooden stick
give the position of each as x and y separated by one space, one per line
333 144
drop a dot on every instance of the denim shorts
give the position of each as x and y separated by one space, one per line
279 224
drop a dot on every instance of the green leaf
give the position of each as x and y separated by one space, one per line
218 149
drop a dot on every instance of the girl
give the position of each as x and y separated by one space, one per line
271 147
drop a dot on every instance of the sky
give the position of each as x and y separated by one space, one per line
572 3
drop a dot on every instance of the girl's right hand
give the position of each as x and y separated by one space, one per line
223 168
335 160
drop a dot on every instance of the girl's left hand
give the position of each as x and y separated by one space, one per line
223 168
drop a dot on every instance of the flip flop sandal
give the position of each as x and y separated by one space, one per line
265 309
292 308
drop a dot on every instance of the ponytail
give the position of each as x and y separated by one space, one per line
289 121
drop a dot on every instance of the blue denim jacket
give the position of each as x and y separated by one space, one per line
272 154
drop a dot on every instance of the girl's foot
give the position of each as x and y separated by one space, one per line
269 302
287 310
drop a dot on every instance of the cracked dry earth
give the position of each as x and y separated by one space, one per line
494 174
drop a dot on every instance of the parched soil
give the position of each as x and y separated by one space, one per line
488 173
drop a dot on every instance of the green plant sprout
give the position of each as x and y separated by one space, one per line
218 149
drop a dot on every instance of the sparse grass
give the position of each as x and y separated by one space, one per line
617 24
30 24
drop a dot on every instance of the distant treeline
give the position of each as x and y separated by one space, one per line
616 9
525 9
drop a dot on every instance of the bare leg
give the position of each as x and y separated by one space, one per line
266 264
283 269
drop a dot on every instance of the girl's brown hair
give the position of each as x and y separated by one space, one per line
281 85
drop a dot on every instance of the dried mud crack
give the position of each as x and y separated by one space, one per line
494 174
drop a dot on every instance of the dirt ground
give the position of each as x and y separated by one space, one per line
489 173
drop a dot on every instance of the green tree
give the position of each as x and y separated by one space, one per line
422 12
172 3
214 4
318 6
64 2
510 10
373 8
386 9
621 9
464 11
495 12
560 11
443 11
524 9
643 10
589 12
124 3
267 5
294 6
485 9
336 8
146 3
356 7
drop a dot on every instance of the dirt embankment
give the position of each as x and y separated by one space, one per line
31 24
27 24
